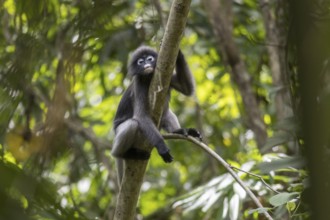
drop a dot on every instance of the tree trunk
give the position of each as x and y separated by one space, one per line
276 52
311 34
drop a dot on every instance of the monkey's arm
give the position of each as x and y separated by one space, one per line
125 108
182 80
150 131
146 125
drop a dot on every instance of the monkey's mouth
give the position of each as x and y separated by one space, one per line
148 69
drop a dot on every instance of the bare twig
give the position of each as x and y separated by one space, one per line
225 164
255 175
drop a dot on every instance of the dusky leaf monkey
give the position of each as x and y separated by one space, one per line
133 113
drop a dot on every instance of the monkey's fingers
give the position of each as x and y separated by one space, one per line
167 157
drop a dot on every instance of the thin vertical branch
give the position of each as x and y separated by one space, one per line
135 169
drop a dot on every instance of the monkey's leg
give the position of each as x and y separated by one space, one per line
194 133
171 124
189 132
125 139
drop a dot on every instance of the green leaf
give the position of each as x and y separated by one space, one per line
282 198
259 210
283 163
291 206
287 124
278 139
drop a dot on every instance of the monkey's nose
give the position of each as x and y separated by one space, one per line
147 65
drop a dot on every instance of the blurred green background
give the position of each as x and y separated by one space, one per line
62 74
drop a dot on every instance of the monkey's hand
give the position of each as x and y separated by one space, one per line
167 157
189 132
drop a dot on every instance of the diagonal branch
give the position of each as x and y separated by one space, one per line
223 163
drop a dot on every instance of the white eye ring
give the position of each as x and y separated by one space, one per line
150 58
140 61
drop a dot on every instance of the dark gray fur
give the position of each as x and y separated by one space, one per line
133 114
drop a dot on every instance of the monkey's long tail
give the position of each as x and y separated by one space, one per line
120 170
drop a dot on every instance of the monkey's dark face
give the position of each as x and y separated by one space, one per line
143 61
145 64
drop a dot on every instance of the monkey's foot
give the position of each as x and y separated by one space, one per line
195 133
136 154
167 157
189 132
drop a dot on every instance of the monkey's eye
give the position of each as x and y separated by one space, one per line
140 61
150 58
